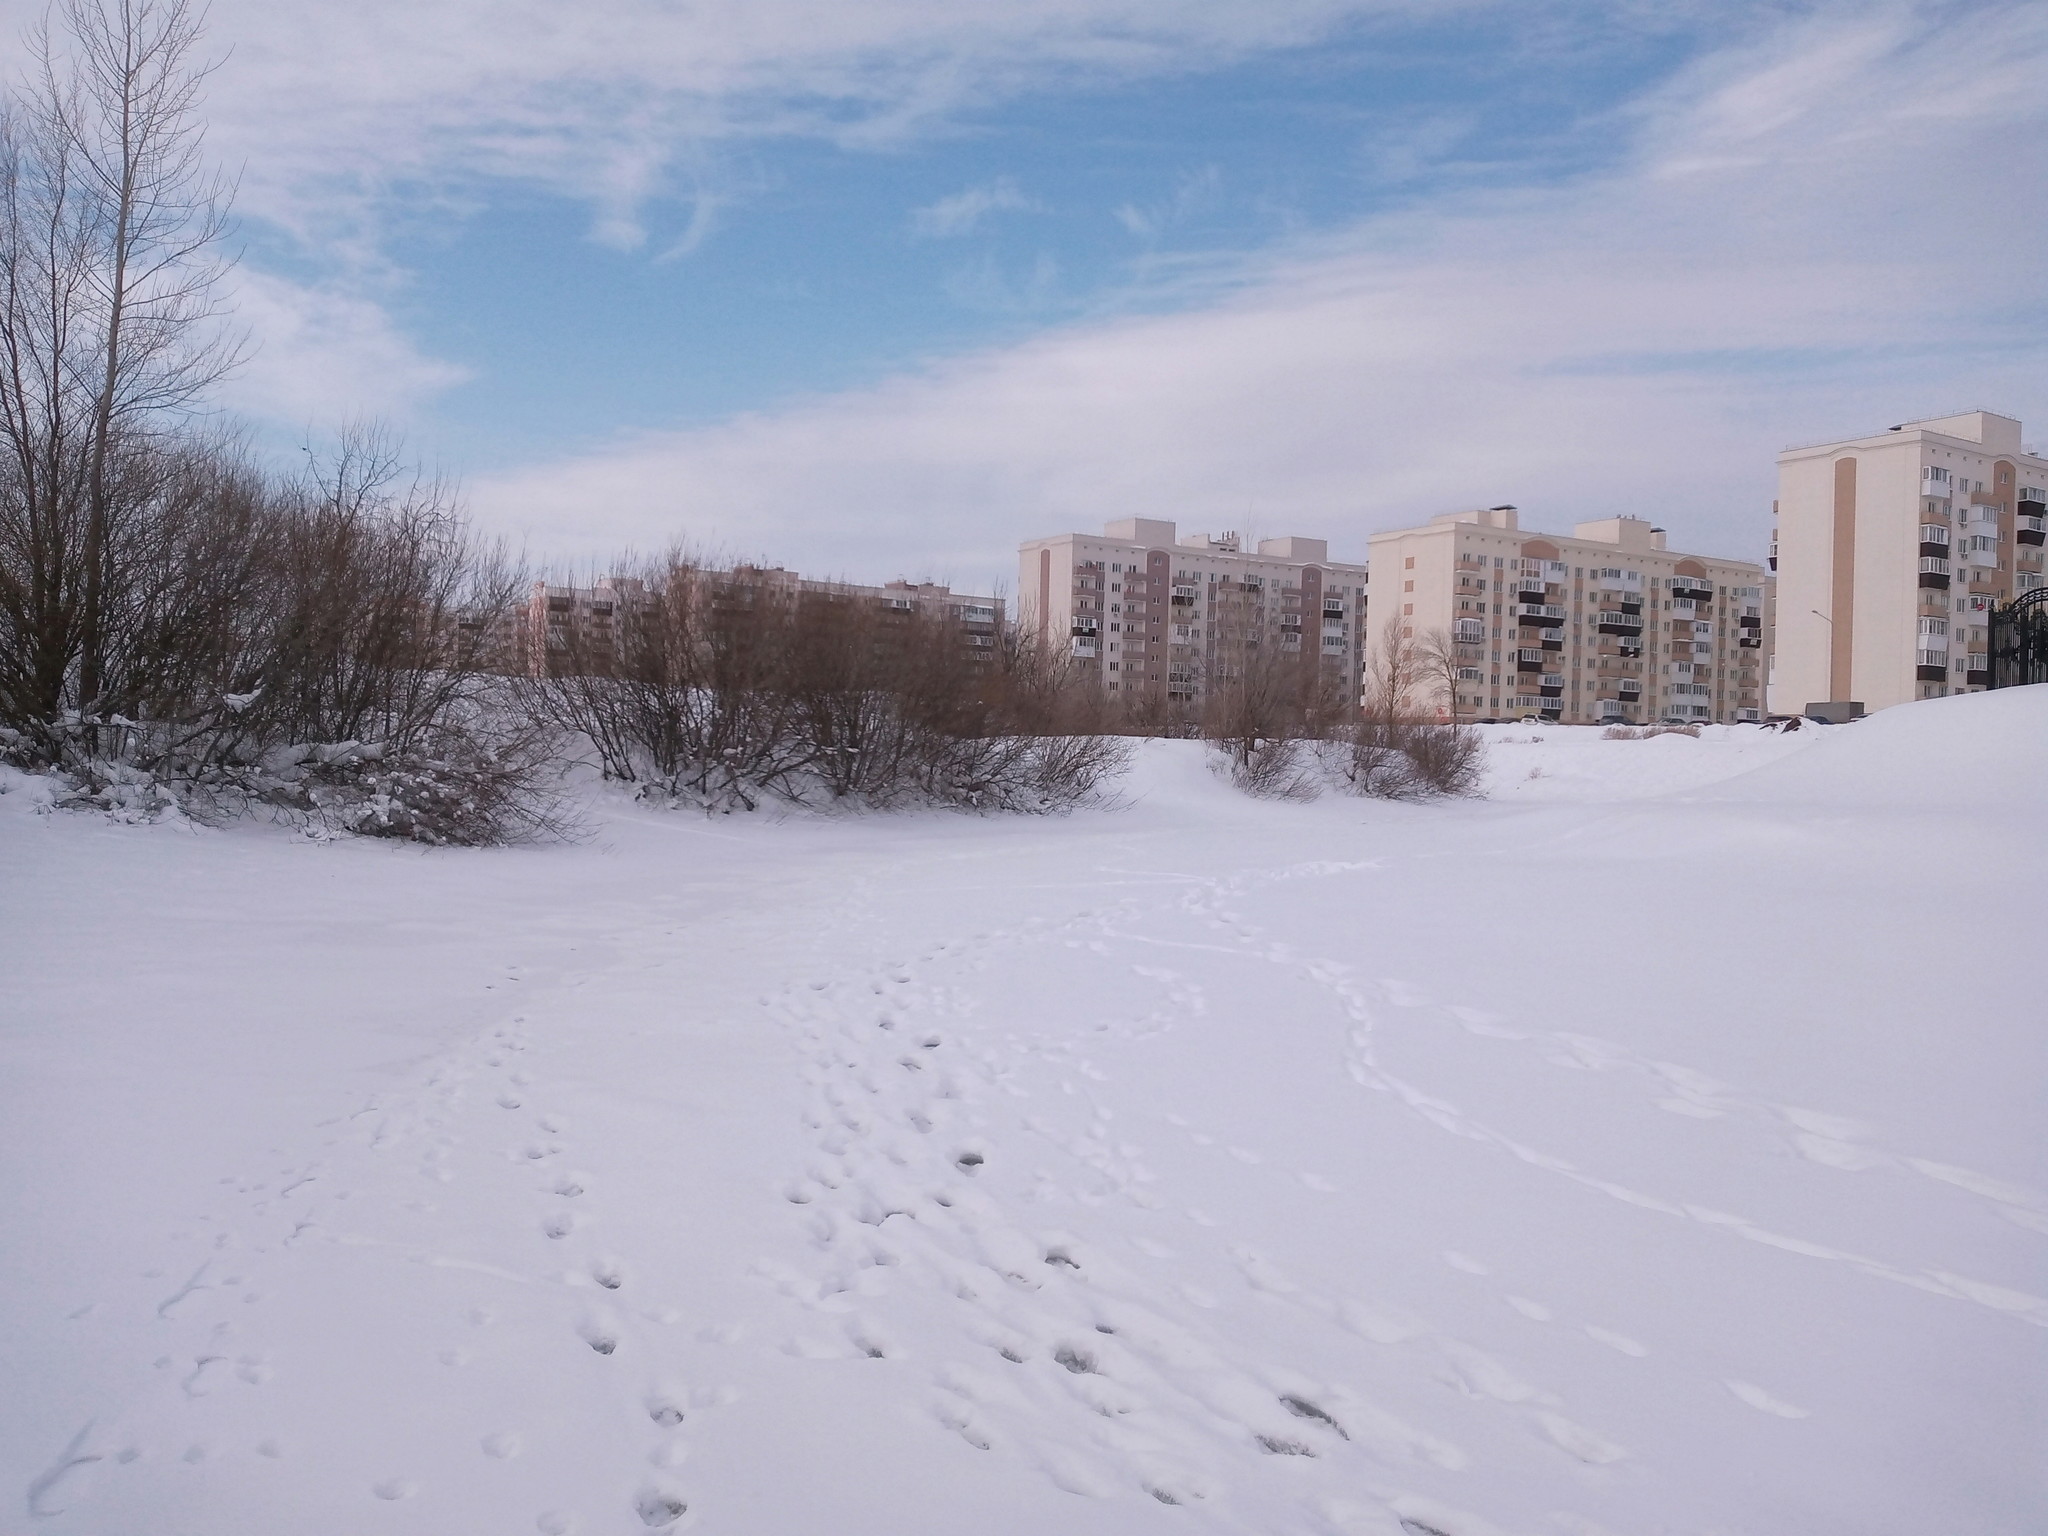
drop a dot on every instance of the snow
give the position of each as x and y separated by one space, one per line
1650 1146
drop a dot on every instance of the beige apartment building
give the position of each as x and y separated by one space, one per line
1607 625
1892 550
1148 614
560 621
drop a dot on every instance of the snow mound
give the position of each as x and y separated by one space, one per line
1989 747
1582 764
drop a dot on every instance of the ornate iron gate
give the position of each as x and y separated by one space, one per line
2019 640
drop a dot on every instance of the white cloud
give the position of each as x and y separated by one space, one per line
1793 252
343 119
960 213
331 107
1194 191
323 355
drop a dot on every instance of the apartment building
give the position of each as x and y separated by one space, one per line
1606 625
559 622
1147 614
1892 551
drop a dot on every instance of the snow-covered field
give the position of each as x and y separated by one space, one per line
1653 1146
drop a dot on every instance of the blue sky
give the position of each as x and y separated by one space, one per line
883 288
788 267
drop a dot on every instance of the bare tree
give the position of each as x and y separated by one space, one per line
110 228
1394 670
1394 754
1438 662
1256 714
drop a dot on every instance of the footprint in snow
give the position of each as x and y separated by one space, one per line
1763 1402
1617 1341
664 1410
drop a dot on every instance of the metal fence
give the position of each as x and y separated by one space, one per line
2019 641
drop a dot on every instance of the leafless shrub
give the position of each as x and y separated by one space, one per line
1448 759
491 782
311 649
1621 733
1283 768
1260 708
728 687
1414 760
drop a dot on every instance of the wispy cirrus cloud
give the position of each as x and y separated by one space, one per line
352 123
335 109
962 212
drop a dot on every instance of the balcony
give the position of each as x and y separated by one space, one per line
1751 621
1530 659
1697 588
1934 572
1615 622
1551 685
1751 642
2030 529
1548 614
1533 589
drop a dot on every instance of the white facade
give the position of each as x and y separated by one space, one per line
1892 550
1604 624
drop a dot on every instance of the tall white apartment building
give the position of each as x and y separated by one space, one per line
1605 625
1892 550
1144 612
